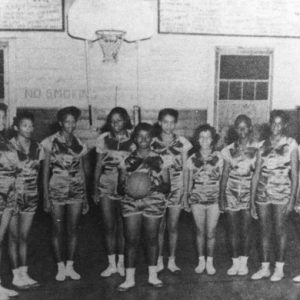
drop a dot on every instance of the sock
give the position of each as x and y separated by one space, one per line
265 265
279 265
121 259
112 260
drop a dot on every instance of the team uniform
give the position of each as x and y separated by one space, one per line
8 170
66 184
274 184
114 151
27 176
172 154
206 175
154 204
241 169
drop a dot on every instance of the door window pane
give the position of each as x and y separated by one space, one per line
235 90
262 91
244 67
223 92
248 91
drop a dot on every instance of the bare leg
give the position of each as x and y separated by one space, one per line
151 228
58 217
13 241
199 214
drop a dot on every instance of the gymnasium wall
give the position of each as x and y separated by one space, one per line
48 70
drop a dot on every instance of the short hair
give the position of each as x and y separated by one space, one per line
142 127
69 110
3 107
202 128
124 115
242 118
168 111
279 113
21 115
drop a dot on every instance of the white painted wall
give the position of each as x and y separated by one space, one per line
48 69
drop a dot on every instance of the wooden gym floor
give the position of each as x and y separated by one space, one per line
187 285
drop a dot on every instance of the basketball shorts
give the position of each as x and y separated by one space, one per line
237 194
153 205
174 199
108 184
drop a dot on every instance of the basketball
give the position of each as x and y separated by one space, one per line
138 185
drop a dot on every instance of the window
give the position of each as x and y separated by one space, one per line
244 77
2 90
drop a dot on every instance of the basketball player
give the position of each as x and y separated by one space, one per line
30 154
173 149
204 170
145 212
275 186
239 164
8 169
65 191
112 146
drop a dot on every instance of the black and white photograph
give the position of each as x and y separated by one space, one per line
150 149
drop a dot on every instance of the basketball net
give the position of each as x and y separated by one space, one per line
110 42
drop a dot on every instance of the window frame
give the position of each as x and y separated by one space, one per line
240 51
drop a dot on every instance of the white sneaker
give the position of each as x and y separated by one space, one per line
263 272
9 293
296 279
172 266
233 270
70 272
29 281
61 273
18 280
210 269
201 266
243 269
109 271
277 275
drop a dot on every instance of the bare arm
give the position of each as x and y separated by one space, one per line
254 183
85 208
223 184
97 174
165 185
46 175
294 179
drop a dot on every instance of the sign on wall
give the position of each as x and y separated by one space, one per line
279 18
32 15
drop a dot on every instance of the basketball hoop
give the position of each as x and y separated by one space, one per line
110 42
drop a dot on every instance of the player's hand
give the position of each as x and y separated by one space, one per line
48 207
96 196
253 212
297 208
85 207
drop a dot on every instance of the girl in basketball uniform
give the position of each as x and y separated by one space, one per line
8 170
30 154
65 190
173 149
112 146
204 171
144 212
239 165
274 192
